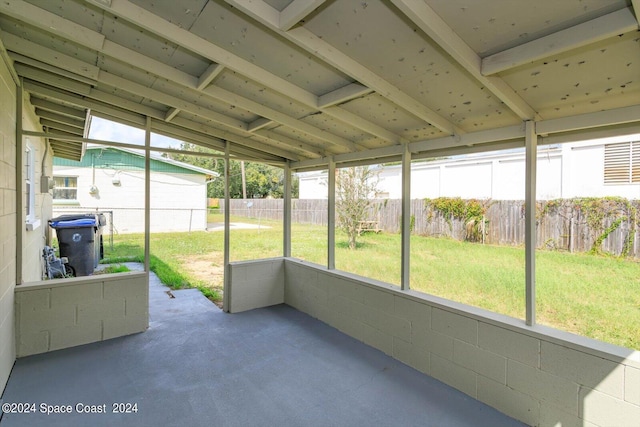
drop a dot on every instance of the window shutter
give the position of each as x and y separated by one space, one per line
616 163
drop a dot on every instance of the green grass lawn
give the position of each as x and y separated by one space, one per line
595 296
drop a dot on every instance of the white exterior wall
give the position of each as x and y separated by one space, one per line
7 222
32 240
178 201
572 170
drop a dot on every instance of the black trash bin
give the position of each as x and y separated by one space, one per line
77 235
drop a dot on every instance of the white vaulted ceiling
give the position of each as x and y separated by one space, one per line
305 80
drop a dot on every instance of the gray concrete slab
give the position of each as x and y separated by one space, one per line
197 366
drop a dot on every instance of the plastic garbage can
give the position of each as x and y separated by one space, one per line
76 238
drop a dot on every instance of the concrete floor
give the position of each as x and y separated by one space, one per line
197 366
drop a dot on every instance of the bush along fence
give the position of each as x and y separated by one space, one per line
598 225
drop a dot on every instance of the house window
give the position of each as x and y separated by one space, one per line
622 163
66 188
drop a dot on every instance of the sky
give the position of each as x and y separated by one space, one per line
107 130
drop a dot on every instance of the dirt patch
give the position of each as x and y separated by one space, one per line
207 269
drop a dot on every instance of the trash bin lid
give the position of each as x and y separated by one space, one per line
83 222
70 217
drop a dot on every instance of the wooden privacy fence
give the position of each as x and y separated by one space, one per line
566 226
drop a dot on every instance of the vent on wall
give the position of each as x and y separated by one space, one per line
622 163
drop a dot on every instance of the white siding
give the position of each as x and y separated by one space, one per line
178 201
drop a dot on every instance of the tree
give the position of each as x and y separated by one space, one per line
261 180
355 189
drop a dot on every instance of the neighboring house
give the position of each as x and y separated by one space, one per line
111 180
597 168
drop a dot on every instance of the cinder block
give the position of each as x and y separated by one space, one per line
434 342
417 313
100 310
454 325
518 405
75 294
510 344
411 355
32 343
72 336
29 301
480 361
349 307
552 416
454 375
387 323
543 386
378 299
605 410
136 307
345 324
591 371
127 287
43 320
632 385
377 339
346 288
113 328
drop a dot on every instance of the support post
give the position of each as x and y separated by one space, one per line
331 216
20 216
147 195
227 226
405 252
286 219
531 142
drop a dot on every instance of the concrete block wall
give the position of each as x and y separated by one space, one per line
7 221
538 375
56 314
255 284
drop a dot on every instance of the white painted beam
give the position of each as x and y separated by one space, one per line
52 79
48 56
611 25
636 9
220 56
156 25
321 49
19 59
127 85
209 76
60 118
296 11
149 65
4 55
52 23
57 108
258 124
271 137
590 120
104 102
171 114
344 94
429 22
270 113
352 119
